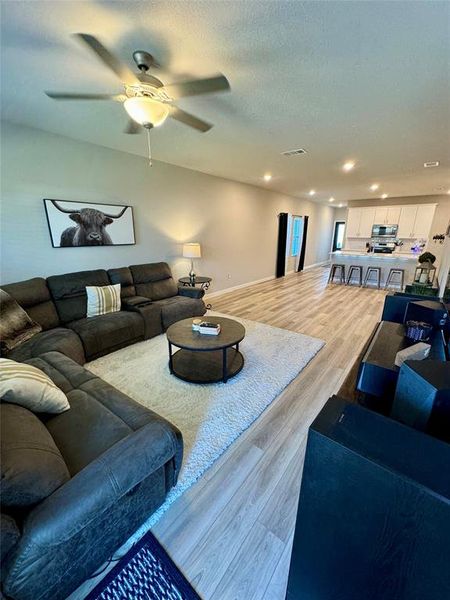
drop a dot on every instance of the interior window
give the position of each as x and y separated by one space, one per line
295 244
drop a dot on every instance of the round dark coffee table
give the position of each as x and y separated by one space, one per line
205 358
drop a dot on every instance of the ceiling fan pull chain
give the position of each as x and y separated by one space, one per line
149 147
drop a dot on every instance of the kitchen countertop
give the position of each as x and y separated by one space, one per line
398 256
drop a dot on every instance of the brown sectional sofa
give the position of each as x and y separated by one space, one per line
34 297
151 302
122 458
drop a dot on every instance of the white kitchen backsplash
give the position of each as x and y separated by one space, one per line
360 244
356 244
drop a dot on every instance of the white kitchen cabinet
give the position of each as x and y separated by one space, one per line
387 215
381 215
366 222
424 220
414 221
353 220
393 215
407 221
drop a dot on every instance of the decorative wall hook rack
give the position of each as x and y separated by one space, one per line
439 238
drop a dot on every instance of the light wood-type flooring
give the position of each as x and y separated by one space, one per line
231 533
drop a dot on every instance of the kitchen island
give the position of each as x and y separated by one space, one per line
397 260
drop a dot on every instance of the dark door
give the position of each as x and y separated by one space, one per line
301 260
281 248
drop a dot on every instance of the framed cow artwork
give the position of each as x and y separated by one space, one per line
74 224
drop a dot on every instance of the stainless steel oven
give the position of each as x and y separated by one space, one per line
384 231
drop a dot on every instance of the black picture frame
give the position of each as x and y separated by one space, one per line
102 231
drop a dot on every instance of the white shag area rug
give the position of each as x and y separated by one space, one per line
210 416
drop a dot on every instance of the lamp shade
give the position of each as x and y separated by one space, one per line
146 111
192 250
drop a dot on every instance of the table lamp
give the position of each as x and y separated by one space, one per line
192 250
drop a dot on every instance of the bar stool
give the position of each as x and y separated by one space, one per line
392 273
333 270
369 273
352 269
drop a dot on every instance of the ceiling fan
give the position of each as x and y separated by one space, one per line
146 99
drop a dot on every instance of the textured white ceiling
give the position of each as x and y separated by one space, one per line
367 81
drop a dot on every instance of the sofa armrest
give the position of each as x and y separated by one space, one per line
135 302
149 311
191 292
57 533
102 483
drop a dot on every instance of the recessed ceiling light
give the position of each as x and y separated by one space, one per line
340 205
374 187
312 192
448 191
384 196
331 199
348 166
267 177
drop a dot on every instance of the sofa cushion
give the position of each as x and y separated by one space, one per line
69 292
30 387
149 272
67 374
70 376
178 308
123 276
167 288
32 467
33 296
59 339
154 280
16 326
100 415
102 299
106 333
10 534
86 431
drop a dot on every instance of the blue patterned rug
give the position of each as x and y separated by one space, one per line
145 572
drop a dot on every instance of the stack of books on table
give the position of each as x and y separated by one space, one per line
209 328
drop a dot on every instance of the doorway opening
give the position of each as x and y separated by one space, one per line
338 236
292 231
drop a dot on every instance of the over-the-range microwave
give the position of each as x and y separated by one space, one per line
387 231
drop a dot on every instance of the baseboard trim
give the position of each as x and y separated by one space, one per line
238 287
319 264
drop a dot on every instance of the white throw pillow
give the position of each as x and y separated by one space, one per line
30 387
103 299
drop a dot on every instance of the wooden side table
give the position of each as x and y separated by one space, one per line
203 282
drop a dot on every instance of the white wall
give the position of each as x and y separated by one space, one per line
340 214
235 223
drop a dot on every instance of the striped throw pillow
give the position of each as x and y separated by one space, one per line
30 387
102 299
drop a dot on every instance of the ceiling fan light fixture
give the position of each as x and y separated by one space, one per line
146 111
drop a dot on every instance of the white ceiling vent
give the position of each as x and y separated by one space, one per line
431 163
294 152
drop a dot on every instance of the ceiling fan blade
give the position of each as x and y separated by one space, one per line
197 87
133 127
188 119
146 78
125 74
75 96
